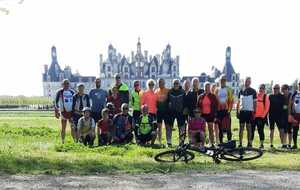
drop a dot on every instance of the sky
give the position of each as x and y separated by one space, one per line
264 36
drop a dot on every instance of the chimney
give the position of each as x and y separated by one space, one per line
45 69
146 55
177 59
101 58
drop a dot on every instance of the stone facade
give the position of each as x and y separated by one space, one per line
53 76
233 78
140 66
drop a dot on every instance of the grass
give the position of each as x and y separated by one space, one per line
30 144
23 100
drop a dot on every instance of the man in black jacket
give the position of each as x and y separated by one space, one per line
175 101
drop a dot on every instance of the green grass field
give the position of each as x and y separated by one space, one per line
30 143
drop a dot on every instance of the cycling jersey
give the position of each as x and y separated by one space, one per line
247 98
149 98
64 100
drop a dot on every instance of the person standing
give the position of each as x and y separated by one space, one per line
135 102
122 89
163 112
80 101
246 107
277 101
196 91
288 135
225 98
208 104
187 101
98 99
295 114
149 98
63 104
262 109
175 101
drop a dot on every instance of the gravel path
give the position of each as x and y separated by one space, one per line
232 181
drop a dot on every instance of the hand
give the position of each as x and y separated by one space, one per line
57 114
238 114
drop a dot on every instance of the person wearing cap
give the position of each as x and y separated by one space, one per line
80 100
98 99
260 117
146 127
86 128
175 101
63 105
225 99
122 89
208 104
294 112
246 108
123 128
135 102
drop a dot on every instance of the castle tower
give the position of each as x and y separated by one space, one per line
228 68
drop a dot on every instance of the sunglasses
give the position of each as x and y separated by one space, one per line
125 108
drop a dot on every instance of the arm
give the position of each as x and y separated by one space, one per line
88 101
267 106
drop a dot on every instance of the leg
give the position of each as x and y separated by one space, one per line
253 127
295 134
73 130
217 133
260 128
63 130
221 135
241 133
159 133
249 133
210 133
229 133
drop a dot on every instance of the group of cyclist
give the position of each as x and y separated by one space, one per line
105 114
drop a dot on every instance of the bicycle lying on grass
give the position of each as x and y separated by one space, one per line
226 151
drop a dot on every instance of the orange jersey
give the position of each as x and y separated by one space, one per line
150 99
262 108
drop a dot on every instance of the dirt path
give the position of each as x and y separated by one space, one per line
231 181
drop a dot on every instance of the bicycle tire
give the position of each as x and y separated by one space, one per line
241 154
172 156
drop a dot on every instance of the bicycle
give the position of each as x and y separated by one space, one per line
226 151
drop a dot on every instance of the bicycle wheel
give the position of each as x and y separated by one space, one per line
241 154
174 156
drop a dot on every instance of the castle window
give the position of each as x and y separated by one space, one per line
233 78
153 76
233 84
108 69
126 69
126 76
174 68
153 70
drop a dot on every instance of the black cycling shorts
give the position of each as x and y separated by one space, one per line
246 117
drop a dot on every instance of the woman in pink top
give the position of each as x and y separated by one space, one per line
262 109
149 98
